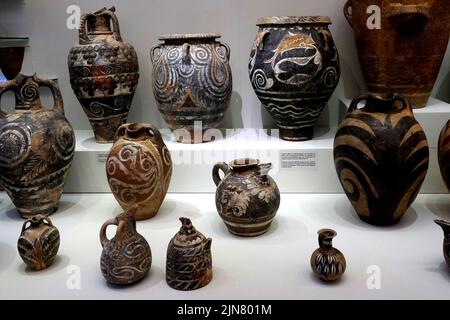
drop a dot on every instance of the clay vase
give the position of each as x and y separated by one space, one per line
247 198
294 70
381 156
139 168
11 61
104 73
127 257
192 83
444 154
189 260
445 225
404 52
327 262
37 146
38 243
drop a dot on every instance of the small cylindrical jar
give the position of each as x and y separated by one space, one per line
39 241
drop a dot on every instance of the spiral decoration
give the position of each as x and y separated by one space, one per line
15 144
381 160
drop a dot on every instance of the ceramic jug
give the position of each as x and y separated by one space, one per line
127 257
139 169
38 243
247 198
37 145
104 73
189 259
381 156
328 263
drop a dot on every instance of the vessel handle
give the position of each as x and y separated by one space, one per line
356 101
347 14
405 102
262 38
58 103
215 172
103 238
227 49
10 85
155 134
115 22
153 50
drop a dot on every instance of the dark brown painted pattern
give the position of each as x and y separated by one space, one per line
37 146
189 259
38 243
445 225
444 153
127 257
381 156
104 73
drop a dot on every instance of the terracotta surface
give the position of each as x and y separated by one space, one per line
11 61
247 198
189 260
294 70
444 154
139 169
328 263
192 82
127 257
381 156
104 73
38 243
37 146
445 225
403 56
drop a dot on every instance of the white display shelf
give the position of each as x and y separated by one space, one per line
193 163
408 256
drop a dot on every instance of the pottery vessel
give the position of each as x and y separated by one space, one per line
11 61
445 225
37 146
127 257
189 260
38 243
104 73
294 70
401 44
139 169
381 156
444 154
247 198
192 83
328 263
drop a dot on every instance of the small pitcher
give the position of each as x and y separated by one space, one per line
127 257
247 198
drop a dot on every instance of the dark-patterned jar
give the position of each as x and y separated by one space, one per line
192 83
189 260
38 243
445 225
381 156
127 257
37 146
444 154
104 73
328 263
139 168
294 70
247 198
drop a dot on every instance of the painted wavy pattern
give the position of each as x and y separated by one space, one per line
381 161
